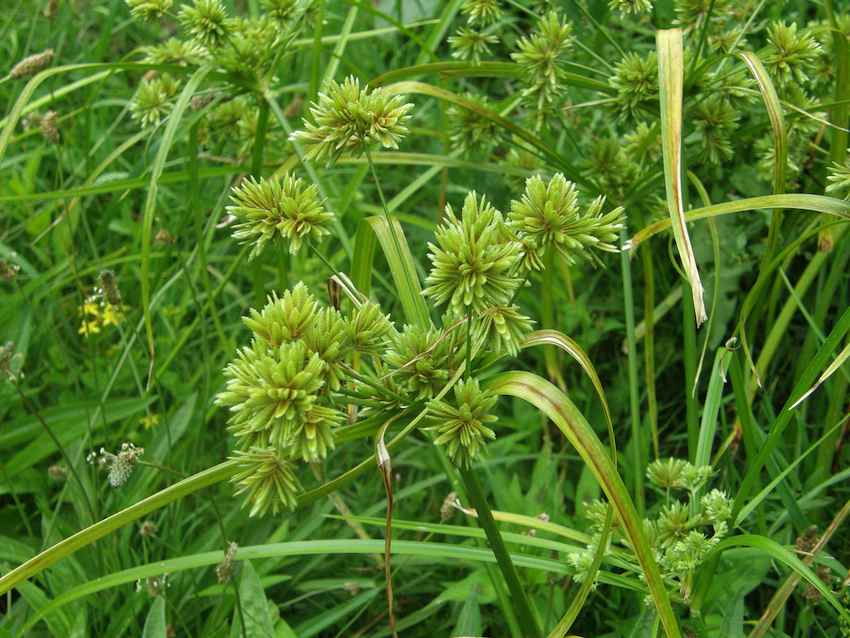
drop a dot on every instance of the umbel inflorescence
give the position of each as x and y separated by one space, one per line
310 369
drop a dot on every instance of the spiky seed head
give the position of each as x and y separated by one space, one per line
253 43
636 80
502 329
693 14
267 480
716 507
471 44
667 473
791 54
461 425
474 262
312 437
281 10
348 117
31 64
152 100
483 11
715 121
369 327
283 319
673 523
327 336
541 53
630 7
278 208
469 130
838 176
149 9
549 215
422 360
677 474
206 22
269 389
174 51
643 144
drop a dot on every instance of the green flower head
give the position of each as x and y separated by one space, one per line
474 262
280 10
541 53
284 319
148 9
502 329
152 100
838 176
270 389
790 55
484 11
636 80
633 7
267 479
422 360
327 336
174 51
549 215
278 208
206 22
469 131
471 44
461 426
369 328
350 118
312 437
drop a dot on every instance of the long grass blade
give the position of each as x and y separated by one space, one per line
814 203
671 72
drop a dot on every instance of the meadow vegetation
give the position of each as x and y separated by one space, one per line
424 317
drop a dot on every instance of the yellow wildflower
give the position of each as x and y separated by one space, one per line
149 421
112 315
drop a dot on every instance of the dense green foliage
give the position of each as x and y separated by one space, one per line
353 318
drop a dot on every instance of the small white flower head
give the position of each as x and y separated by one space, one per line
224 570
119 466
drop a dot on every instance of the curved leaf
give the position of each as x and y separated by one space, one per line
561 411
813 203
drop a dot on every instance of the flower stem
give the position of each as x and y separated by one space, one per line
522 607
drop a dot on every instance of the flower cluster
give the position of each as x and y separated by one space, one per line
280 389
461 425
475 260
153 99
352 118
541 56
681 534
549 215
278 208
99 312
